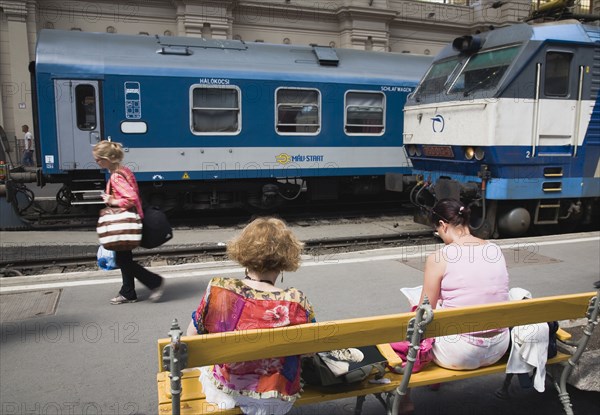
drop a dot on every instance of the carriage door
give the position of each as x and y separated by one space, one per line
558 105
78 122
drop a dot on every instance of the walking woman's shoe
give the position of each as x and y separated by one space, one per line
119 299
157 293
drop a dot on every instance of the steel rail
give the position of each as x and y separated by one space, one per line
186 253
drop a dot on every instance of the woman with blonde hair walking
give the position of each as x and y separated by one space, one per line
122 191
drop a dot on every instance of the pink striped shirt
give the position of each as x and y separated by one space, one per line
125 191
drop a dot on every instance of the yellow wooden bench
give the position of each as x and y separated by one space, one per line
192 352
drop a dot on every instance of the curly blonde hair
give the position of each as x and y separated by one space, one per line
109 150
266 244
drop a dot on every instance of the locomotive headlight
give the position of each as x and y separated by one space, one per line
469 153
419 151
479 153
412 150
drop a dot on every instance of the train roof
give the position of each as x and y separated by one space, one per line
85 54
563 31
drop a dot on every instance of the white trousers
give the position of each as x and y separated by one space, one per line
467 352
248 405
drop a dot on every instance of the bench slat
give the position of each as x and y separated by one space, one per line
309 338
192 400
215 348
508 314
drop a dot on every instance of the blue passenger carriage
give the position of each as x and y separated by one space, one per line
509 122
219 123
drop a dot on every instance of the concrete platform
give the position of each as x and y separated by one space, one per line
102 358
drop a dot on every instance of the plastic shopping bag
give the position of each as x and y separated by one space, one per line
106 259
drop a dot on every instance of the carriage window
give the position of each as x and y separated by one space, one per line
365 112
85 107
556 78
484 70
298 111
215 110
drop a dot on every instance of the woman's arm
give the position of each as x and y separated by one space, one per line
123 194
435 267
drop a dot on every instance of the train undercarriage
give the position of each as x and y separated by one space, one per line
81 193
508 218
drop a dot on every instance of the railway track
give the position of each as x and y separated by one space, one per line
86 259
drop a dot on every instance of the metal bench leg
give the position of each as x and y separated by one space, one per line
423 316
592 315
174 358
381 399
502 393
360 400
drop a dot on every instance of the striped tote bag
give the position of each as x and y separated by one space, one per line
119 229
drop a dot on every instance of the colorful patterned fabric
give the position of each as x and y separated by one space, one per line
229 305
124 189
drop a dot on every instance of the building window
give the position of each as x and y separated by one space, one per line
215 110
85 107
298 111
556 76
364 113
580 6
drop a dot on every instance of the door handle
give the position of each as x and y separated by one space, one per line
94 137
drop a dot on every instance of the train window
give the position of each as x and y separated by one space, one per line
437 78
85 107
215 110
298 111
484 70
556 77
365 112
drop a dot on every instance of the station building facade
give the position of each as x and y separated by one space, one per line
397 26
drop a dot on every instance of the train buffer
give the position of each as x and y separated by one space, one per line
87 197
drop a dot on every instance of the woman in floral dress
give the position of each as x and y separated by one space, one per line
266 248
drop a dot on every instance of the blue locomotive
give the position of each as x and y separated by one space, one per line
509 122
222 123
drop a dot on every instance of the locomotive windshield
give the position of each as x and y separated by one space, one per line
437 78
482 71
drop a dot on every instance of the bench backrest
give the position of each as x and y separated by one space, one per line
309 338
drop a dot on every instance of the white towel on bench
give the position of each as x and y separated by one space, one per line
529 351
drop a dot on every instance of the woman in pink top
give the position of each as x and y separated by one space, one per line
466 271
122 191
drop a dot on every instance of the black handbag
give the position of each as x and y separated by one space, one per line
316 372
157 229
